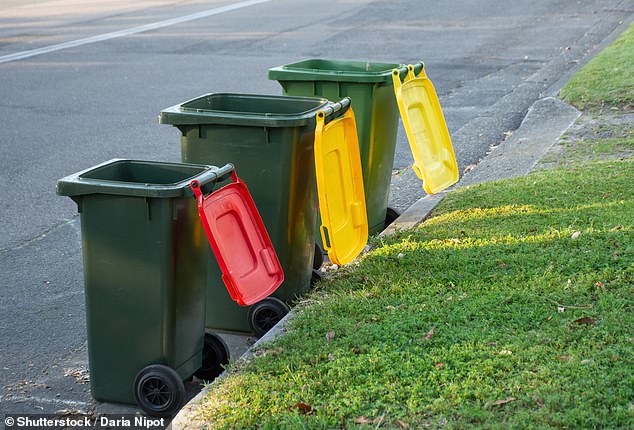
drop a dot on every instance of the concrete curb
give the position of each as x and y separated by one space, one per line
188 416
546 120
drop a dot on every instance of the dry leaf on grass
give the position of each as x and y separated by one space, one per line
379 421
429 335
401 424
585 320
499 402
302 408
575 235
330 336
363 420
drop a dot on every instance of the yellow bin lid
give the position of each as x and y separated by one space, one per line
344 228
434 158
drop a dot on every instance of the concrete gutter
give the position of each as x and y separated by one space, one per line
544 124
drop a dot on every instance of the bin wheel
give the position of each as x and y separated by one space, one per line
391 216
215 355
159 390
318 259
265 314
315 277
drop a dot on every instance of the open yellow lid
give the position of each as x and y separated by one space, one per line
344 228
434 158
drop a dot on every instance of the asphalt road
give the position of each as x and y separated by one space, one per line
75 105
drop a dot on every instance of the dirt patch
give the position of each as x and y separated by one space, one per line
594 136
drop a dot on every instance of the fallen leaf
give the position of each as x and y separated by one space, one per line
331 357
575 235
614 358
302 408
499 402
549 318
586 321
616 256
358 325
80 374
429 335
563 358
70 413
330 336
468 168
270 351
401 424
379 421
362 420
539 402
438 365
502 265
600 285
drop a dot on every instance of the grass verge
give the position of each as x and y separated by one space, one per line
512 307
607 80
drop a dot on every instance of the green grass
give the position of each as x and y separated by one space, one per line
519 290
608 79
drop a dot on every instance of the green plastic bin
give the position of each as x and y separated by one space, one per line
270 140
145 257
369 86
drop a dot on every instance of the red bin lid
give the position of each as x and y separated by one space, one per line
250 268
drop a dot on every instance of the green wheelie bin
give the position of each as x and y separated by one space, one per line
145 261
370 88
270 140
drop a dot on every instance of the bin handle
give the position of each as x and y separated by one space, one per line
212 176
329 111
404 73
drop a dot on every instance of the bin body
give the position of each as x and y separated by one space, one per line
144 258
270 141
369 86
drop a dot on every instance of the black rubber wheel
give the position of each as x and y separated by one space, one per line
265 314
315 277
159 390
215 355
318 258
391 216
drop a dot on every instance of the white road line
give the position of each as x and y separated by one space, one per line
127 32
